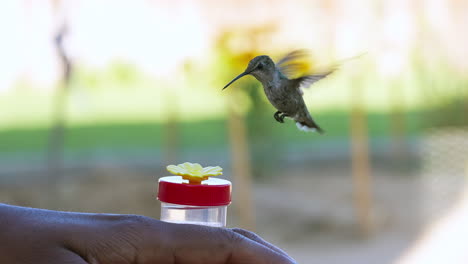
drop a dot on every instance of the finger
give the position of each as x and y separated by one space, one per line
194 244
209 245
60 256
246 250
258 239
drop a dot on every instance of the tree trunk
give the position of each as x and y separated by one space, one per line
361 167
241 168
57 133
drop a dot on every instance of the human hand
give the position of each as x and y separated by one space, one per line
41 236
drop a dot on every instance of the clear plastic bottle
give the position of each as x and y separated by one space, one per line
187 203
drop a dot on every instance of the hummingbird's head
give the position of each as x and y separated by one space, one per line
261 67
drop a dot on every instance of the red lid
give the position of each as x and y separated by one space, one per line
212 192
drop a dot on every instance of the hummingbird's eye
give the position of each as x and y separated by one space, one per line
260 66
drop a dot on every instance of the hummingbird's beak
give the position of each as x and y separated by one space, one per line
235 79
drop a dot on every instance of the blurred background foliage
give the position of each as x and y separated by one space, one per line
145 90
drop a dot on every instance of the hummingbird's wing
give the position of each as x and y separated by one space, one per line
307 80
296 63
292 63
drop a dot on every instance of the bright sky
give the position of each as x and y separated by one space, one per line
158 35
100 32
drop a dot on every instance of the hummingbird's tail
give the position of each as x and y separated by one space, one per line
309 125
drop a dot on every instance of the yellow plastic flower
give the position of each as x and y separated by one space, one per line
194 172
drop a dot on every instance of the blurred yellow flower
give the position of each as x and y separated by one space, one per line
194 172
300 66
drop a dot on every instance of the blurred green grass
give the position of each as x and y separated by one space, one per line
209 133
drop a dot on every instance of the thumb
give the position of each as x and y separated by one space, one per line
250 248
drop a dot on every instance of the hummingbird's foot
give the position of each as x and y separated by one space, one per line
279 116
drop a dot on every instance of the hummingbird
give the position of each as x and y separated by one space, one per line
285 94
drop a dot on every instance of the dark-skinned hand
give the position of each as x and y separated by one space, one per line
36 236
